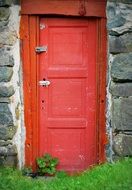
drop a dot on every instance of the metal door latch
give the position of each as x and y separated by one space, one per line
44 83
41 49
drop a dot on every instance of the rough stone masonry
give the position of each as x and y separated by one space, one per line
11 108
119 110
119 89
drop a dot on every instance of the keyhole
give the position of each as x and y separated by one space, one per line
44 80
42 105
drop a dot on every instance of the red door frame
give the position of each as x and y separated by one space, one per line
29 35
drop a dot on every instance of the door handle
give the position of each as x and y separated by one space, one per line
44 83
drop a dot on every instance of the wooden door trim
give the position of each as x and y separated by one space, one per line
101 97
29 34
29 28
94 8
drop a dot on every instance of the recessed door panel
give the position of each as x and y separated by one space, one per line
64 103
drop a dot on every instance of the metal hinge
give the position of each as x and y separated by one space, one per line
41 49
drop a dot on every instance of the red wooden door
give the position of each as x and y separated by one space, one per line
67 107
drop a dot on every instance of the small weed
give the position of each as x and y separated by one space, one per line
47 164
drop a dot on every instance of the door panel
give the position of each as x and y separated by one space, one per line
67 107
62 100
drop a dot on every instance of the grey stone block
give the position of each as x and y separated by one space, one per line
122 145
4 13
6 91
5 143
11 161
4 100
5 3
9 150
122 114
121 69
5 74
8 37
119 18
6 59
121 44
8 156
6 118
121 89
7 133
116 22
111 11
4 108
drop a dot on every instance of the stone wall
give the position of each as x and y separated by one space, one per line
11 116
119 24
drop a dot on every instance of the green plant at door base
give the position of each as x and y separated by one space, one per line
47 164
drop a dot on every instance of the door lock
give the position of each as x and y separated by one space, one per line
44 83
41 49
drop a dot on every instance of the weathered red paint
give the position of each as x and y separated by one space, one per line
94 8
29 36
30 39
68 105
